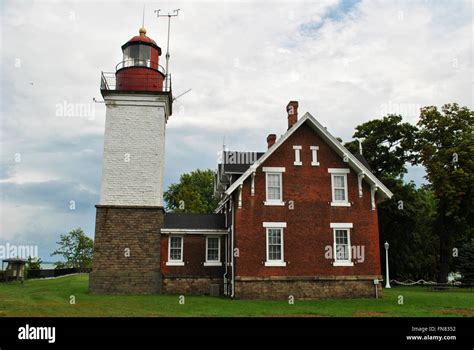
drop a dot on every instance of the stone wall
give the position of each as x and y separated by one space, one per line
188 285
306 288
127 250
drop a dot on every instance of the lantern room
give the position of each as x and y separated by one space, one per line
140 69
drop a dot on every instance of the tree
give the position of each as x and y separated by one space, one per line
193 194
76 249
445 146
33 263
465 262
387 145
405 221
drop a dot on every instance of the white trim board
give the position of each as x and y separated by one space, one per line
187 231
274 224
341 225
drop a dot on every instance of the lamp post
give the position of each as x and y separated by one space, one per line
387 283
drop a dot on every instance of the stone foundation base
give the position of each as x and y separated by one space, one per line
306 288
127 250
191 285
116 282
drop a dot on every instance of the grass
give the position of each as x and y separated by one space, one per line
52 297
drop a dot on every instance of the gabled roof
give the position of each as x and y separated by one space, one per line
238 168
335 145
194 221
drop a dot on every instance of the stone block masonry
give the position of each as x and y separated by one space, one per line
307 287
127 250
191 285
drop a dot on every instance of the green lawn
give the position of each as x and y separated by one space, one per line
52 298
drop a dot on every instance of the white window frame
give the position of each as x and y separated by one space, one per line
175 262
342 227
274 171
297 161
339 172
275 226
217 262
314 155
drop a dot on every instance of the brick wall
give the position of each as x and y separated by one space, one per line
194 256
308 229
127 250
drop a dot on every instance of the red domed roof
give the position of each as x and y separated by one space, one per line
142 38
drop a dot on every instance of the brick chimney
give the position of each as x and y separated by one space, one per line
271 140
292 109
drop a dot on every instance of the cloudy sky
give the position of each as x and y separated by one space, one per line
346 62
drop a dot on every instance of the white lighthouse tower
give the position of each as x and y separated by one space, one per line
130 212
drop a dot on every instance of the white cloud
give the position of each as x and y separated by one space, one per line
243 61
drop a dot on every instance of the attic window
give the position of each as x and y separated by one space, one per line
314 155
297 155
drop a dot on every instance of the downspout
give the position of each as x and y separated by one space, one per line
232 248
226 261
226 256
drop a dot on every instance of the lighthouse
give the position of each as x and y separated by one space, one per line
130 212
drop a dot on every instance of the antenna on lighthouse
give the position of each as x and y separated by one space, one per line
143 17
169 15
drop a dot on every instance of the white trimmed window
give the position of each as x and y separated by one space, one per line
275 244
342 244
274 185
314 155
175 251
213 251
339 187
297 155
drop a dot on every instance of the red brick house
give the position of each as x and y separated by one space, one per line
297 220
303 218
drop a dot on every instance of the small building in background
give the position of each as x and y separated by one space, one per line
15 269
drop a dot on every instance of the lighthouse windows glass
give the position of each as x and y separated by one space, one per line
137 55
